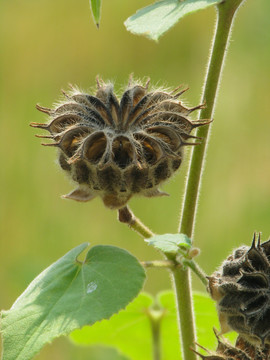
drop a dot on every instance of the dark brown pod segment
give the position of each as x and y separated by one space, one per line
94 147
241 288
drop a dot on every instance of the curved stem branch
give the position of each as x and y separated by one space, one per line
197 270
126 216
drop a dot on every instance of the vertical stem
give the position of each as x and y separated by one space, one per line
155 327
181 278
225 11
182 289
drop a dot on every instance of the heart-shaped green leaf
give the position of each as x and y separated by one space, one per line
154 20
169 243
68 295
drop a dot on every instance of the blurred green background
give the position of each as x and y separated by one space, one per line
45 45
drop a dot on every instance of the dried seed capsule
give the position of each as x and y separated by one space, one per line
115 149
241 288
241 351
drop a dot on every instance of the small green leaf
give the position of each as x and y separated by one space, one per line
68 295
128 330
154 20
96 10
169 243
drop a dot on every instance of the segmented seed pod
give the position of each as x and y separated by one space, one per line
242 350
241 288
115 149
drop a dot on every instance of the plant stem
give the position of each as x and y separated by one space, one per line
155 326
225 11
181 278
183 295
169 264
155 317
196 269
158 264
126 216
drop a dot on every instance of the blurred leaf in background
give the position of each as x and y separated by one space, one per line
95 6
130 330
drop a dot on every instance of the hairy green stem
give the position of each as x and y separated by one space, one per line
181 278
182 289
169 264
158 264
196 269
225 11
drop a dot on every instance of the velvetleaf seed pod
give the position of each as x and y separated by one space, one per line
242 350
241 288
116 149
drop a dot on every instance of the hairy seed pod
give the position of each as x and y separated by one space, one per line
242 350
117 148
241 288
